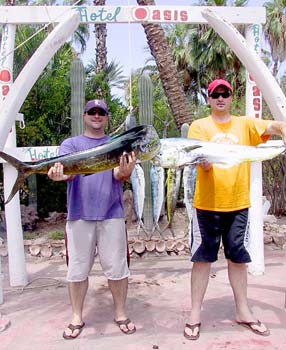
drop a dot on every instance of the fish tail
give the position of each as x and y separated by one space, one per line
165 228
157 227
23 169
141 223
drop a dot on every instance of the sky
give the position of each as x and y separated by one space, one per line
127 44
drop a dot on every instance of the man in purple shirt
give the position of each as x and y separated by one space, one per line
95 222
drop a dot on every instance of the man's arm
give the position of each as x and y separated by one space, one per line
277 128
126 165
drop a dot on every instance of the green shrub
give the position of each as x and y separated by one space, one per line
29 235
56 235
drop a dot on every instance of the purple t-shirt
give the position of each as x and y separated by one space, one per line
92 197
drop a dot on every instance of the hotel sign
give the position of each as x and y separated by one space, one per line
32 154
130 14
255 93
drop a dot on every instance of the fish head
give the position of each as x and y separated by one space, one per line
176 153
147 145
168 155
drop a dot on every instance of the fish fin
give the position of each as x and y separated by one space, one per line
141 223
129 134
12 160
17 185
172 231
223 162
23 173
191 148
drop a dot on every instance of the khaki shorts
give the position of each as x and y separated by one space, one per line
106 238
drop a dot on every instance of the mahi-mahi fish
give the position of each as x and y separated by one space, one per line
138 187
180 152
173 187
157 178
142 139
189 181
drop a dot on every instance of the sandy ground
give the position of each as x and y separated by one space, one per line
158 303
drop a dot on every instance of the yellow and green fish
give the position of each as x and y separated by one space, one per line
142 139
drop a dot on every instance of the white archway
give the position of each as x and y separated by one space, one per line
218 17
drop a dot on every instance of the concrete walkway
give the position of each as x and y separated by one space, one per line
158 303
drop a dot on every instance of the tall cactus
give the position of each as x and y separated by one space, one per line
145 97
185 130
77 81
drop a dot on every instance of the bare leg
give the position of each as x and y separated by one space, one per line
199 283
237 274
118 290
77 293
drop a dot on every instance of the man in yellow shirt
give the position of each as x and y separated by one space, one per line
221 203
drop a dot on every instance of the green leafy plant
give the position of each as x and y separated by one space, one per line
29 235
57 235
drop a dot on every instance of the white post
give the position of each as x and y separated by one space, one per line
16 254
254 109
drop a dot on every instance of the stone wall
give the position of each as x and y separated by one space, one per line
140 246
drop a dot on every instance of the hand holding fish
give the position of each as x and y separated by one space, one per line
205 165
277 128
56 173
126 165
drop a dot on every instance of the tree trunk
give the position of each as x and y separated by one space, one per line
100 37
169 76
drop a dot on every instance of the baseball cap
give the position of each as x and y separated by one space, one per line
96 104
218 82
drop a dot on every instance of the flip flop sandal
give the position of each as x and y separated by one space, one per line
192 327
125 323
249 325
73 327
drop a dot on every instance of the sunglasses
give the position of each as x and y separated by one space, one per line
100 112
216 95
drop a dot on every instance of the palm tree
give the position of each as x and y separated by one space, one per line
100 37
213 58
112 73
182 39
201 55
178 37
169 76
100 31
275 31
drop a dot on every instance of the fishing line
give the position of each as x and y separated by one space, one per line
130 62
48 14
38 31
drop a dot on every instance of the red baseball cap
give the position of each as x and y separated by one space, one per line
218 82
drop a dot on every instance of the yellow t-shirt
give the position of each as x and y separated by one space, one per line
221 189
